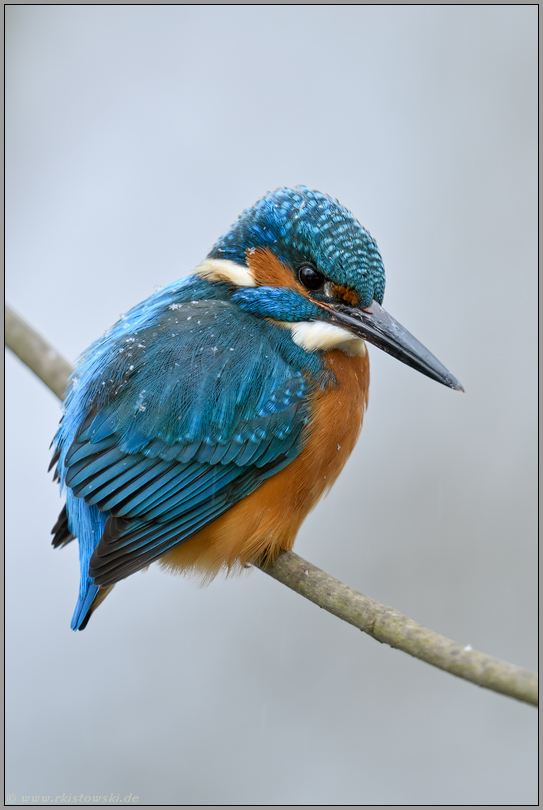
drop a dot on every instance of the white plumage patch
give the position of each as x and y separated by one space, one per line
314 336
226 270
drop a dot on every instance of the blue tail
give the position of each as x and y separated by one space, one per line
82 611
87 524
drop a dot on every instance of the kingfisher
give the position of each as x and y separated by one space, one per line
204 426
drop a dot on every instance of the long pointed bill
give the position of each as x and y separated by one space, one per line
378 327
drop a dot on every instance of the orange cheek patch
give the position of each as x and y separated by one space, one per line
269 271
345 294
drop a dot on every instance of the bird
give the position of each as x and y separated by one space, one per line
205 425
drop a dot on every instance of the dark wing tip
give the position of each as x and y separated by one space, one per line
60 531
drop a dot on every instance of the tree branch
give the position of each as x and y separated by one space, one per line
390 627
379 621
36 353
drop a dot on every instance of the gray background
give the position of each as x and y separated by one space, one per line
136 135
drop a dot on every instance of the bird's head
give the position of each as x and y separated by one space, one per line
301 259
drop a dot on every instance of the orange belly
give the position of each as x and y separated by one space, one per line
266 522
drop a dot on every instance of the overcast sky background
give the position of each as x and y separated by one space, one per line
135 136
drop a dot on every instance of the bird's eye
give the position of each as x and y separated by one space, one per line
310 277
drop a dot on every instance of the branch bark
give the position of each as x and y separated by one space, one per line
379 621
36 353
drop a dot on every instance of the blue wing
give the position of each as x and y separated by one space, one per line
176 415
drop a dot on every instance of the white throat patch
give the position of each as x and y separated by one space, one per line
314 336
226 271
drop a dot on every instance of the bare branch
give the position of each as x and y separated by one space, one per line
379 621
390 627
36 353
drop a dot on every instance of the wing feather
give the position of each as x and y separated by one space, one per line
172 418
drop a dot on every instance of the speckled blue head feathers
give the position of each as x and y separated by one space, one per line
302 225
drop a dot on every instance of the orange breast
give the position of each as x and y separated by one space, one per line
265 523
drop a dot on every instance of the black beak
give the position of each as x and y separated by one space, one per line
378 327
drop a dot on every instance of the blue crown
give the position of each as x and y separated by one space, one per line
302 225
